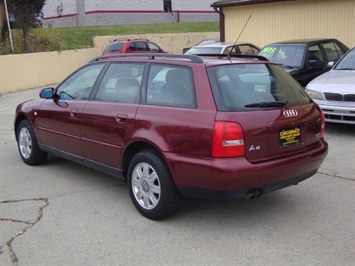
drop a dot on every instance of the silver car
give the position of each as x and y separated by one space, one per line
225 48
334 91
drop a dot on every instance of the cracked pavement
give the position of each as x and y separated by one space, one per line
28 213
61 213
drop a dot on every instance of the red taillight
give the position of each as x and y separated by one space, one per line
322 129
228 140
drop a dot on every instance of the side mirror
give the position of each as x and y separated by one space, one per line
330 63
46 93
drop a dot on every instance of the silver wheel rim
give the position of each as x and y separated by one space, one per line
25 143
146 186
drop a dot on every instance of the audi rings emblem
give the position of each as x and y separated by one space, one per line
290 113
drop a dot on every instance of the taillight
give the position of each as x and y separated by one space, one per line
228 140
322 129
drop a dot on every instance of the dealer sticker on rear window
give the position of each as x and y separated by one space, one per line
289 136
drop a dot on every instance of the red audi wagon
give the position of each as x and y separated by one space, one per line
174 126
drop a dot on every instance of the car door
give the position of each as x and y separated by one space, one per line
109 119
333 51
315 65
59 117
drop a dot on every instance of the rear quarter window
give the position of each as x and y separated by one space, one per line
333 51
171 85
237 85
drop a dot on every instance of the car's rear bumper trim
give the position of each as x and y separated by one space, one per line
202 193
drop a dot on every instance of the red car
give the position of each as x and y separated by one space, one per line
177 126
120 46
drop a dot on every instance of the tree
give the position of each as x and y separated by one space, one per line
24 13
3 22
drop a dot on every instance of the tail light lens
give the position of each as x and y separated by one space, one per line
322 129
228 140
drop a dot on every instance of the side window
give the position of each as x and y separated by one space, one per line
121 83
171 85
315 55
234 50
133 46
333 51
153 47
247 49
80 84
138 46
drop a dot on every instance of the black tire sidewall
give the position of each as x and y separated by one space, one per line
169 196
36 156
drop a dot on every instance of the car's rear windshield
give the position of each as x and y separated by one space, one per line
240 87
114 47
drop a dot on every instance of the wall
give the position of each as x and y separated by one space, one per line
81 13
25 71
292 20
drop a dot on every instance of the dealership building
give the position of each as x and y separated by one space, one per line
84 13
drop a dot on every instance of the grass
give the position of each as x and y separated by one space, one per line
58 39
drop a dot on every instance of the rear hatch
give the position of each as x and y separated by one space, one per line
270 134
276 115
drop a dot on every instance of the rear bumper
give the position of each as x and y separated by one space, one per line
200 193
227 178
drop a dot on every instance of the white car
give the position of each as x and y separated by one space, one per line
334 91
225 48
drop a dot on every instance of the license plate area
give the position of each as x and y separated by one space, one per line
290 136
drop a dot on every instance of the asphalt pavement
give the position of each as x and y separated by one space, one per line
61 213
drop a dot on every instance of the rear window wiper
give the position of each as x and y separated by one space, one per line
268 104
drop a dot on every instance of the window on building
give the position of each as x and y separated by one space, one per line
167 5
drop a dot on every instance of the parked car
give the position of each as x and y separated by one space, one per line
177 126
334 91
305 59
225 48
120 46
203 42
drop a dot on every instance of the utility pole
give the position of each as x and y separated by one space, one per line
80 13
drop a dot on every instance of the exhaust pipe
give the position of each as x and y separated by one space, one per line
252 194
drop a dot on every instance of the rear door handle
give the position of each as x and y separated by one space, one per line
74 113
120 118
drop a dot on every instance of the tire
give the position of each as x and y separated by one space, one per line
28 146
151 187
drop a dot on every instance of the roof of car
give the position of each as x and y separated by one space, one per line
209 59
224 44
303 41
127 39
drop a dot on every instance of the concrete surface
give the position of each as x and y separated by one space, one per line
61 213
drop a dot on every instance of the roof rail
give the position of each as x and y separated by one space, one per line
192 58
128 39
249 56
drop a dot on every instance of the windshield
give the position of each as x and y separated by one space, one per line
240 87
204 50
347 62
285 54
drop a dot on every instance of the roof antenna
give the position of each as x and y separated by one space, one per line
229 54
